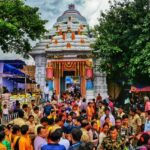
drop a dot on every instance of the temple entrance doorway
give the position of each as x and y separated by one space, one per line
69 82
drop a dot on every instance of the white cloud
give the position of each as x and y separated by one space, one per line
51 9
93 8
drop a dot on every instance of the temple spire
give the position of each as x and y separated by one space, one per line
71 7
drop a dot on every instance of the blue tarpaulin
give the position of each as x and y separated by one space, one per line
15 63
12 70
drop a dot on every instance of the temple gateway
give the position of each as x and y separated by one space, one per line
64 57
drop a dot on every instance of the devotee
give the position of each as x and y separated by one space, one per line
78 101
120 112
126 129
107 120
47 108
37 114
2 136
17 108
118 124
31 124
64 141
113 141
147 103
135 121
51 124
40 139
25 141
77 122
52 114
54 96
103 134
58 124
68 125
53 140
143 142
32 105
46 93
94 133
5 111
147 123
44 123
98 98
76 135
83 104
142 114
101 109
25 109
90 111
85 135
76 109
16 135
38 93
6 95
107 113
8 135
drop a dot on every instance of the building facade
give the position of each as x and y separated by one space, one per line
66 51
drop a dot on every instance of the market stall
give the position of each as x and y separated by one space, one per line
12 77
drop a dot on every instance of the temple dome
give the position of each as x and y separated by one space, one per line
73 14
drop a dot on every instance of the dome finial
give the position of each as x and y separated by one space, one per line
71 6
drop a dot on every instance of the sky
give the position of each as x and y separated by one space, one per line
52 9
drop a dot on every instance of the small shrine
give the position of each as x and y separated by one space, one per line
66 52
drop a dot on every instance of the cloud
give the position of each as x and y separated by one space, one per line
52 9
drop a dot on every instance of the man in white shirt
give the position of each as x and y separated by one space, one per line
107 113
46 93
64 141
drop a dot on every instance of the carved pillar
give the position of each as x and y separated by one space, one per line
40 71
100 83
57 85
83 86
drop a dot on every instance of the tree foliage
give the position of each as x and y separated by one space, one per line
19 25
123 40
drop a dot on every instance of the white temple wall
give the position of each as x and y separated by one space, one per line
100 83
40 71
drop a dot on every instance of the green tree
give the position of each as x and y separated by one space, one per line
19 25
123 41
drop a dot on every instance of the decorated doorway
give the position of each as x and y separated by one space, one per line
79 72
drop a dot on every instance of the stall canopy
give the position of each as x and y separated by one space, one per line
15 63
9 69
140 88
17 75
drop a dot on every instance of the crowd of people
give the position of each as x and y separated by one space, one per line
73 123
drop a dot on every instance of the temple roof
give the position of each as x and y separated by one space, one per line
69 33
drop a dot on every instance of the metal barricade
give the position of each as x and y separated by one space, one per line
7 118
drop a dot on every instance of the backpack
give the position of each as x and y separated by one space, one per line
16 146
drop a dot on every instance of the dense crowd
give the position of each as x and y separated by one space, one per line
72 123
